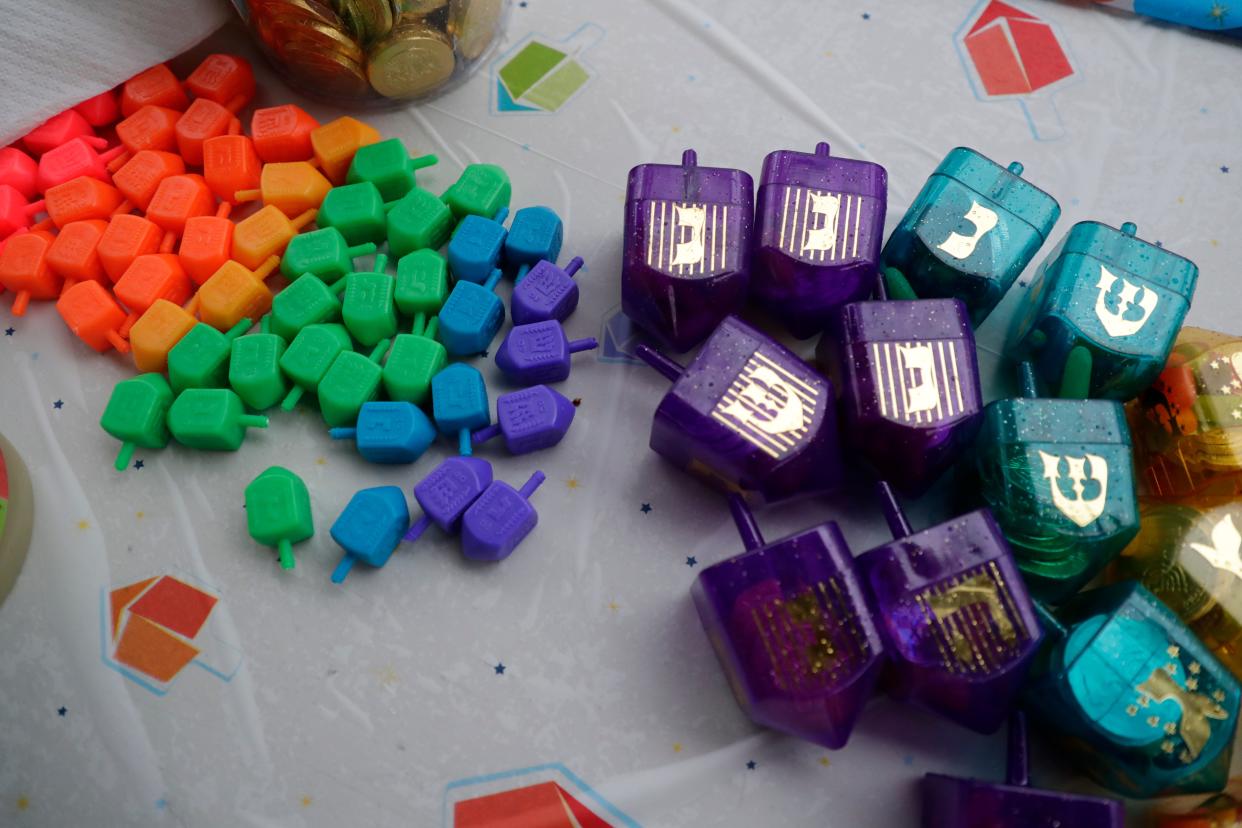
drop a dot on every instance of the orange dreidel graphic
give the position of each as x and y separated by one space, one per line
55 131
205 119
79 156
178 199
74 255
234 293
24 269
102 110
293 187
230 163
206 244
83 198
283 133
128 236
151 127
156 332
94 316
152 276
266 234
223 78
156 86
140 176
336 142
15 213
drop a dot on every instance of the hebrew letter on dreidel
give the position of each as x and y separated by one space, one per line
1115 324
961 247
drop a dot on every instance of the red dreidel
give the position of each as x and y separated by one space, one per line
94 316
102 110
282 133
57 130
151 277
71 159
74 256
205 119
234 293
206 244
83 198
224 79
156 86
230 164
24 269
141 175
127 237
152 127
266 234
19 171
178 199
15 213
293 187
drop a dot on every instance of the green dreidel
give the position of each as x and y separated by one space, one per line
416 221
368 308
137 415
278 511
357 210
211 418
481 190
201 358
309 356
254 368
305 302
352 380
415 358
324 253
388 166
422 283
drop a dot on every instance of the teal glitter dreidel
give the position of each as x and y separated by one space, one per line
357 210
323 253
309 356
351 381
474 251
422 283
369 309
212 419
414 360
200 359
416 221
278 511
254 368
137 415
306 301
459 404
480 190
1110 301
370 528
471 317
970 231
388 166
534 234
1133 696
389 432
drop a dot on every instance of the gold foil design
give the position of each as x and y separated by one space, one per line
972 619
917 382
686 239
768 406
819 226
1080 510
796 636
1197 711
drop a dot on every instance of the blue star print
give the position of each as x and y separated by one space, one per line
1224 169
62 711
866 16
691 561
500 669
10 331
138 464
645 508
58 405
750 765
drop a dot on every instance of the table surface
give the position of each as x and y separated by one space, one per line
579 660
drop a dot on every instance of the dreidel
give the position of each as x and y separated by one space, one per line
143 173
150 128
278 511
225 79
1058 475
416 221
370 528
156 86
254 368
686 259
368 309
149 278
323 253
415 358
481 190
971 230
529 420
748 415
388 166
335 143
356 210
499 520
83 198
200 359
25 271
535 235
475 248
539 353
137 414
15 213
293 187
234 293
55 131
960 626
19 171
100 110
459 404
351 381
305 302
211 419
819 222
230 166
282 133
471 317
422 283
80 156
266 233
206 243
309 356
179 198
446 494
126 238
155 333
793 627
94 316
545 292
389 432
74 255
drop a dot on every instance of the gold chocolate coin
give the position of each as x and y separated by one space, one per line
328 73
311 36
413 60
375 16
416 8
473 23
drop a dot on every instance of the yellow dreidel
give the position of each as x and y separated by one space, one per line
266 234
293 187
233 293
155 333
336 142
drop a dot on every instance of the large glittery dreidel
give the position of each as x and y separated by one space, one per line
388 166
1109 299
459 403
212 419
819 220
309 356
422 283
474 250
545 292
137 414
480 190
471 316
748 415
415 359
535 234
370 528
389 432
416 221
351 381
539 353
971 231
792 625
529 420
1132 695
446 494
308 301
200 359
499 520
254 368
960 626
687 248
278 511
323 253
368 307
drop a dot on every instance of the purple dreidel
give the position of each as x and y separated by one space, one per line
819 224
447 493
497 522
531 419
686 263
545 292
791 624
960 626
748 416
952 802
539 353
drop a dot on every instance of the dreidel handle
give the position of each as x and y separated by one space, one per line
291 399
237 330
1027 382
1017 767
501 215
465 439
421 161
119 161
574 263
124 456
894 515
304 218
381 263
416 529
20 302
484 434
671 370
377 353
117 341
252 420
590 343
521 274
108 155
242 196
1076 374
690 175
492 280
168 242
364 249
285 550
342 569
224 209
532 483
234 127
269 264
337 287
343 433
265 321
823 148
893 284
745 522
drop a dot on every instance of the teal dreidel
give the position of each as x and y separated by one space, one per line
370 528
137 415
357 210
351 381
534 234
278 511
323 253
389 432
200 359
459 404
474 251
471 317
422 283
388 166
480 190
306 301
368 309
309 356
415 358
211 419
416 221
254 368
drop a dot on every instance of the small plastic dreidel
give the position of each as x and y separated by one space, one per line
142 175
126 238
94 316
80 156
357 210
535 234
368 309
446 494
156 86
389 432
819 223
278 511
55 131
101 110
1111 300
230 166
1133 696
201 358
19 171
954 802
254 368
323 253
83 198
282 133
909 379
539 353
307 301
418 220
351 381
156 332
224 79
149 278
414 360
960 626
266 233
471 317
15 213
793 628
309 356
234 293
545 292
686 259
748 415
25 271
388 166
75 253
206 243
530 419
422 283
137 414
178 199
335 143
481 190
150 128
293 187
370 528
475 248
212 419
499 520
459 404
971 231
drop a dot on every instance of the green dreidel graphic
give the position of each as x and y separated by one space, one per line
278 511
137 415
254 367
388 166
305 302
212 419
352 380
309 356
422 283
480 190
416 221
368 308
324 252
542 76
201 358
415 358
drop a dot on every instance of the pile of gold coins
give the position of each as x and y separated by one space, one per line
372 50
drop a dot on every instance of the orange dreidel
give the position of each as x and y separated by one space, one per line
206 244
156 332
79 156
24 269
234 293
336 142
205 119
128 236
156 86
283 133
152 127
83 198
19 171
57 130
152 276
223 78
293 187
102 110
94 316
15 213
140 176
178 199
230 164
265 234
74 256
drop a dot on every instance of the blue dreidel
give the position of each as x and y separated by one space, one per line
531 419
459 403
389 432
546 292
471 317
539 353
370 528
535 233
447 493
474 251
499 520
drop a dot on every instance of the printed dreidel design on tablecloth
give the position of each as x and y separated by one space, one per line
542 76
960 626
539 353
687 248
545 292
373 523
793 629
547 796
389 432
278 511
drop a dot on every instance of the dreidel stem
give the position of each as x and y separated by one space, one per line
265 321
224 209
501 215
1076 374
898 524
1017 768
574 264
242 196
823 148
234 127
433 326
124 456
422 161
1016 167
117 341
484 434
745 522
690 175
237 330
377 353
304 218
416 529
364 249
342 433
20 302
168 241
253 420
1026 380
108 155
671 370
492 280
521 274
342 569
291 399
381 262
285 550
269 264
532 483
590 343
